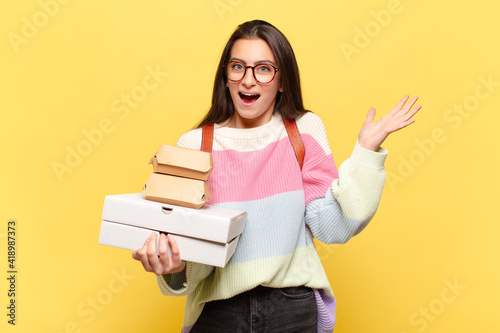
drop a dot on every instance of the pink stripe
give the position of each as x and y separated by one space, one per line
254 175
319 169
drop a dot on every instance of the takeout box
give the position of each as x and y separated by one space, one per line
182 162
213 223
190 249
186 192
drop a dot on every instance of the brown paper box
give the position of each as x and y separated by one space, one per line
182 162
178 191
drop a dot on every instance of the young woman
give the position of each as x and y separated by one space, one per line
275 281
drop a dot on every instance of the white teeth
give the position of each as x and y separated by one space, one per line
249 95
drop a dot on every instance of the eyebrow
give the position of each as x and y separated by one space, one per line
257 62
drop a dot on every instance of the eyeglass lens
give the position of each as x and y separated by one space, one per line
263 73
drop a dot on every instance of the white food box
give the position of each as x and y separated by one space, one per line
190 249
212 223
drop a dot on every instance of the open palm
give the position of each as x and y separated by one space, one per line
373 133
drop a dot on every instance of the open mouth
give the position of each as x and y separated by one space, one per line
248 98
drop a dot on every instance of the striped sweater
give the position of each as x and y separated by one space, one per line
255 170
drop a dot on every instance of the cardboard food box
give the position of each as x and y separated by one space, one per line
182 162
177 191
190 249
211 223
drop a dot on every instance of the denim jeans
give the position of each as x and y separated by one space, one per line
262 310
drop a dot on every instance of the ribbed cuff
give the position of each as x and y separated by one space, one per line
370 158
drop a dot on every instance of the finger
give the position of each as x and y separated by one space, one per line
163 250
178 264
153 254
142 254
371 115
410 104
412 112
136 254
176 257
402 102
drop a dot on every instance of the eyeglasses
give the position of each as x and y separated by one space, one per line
263 73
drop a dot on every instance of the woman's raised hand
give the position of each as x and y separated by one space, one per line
373 133
160 263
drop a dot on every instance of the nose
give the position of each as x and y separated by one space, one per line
248 79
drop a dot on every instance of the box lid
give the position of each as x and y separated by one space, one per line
182 162
178 191
213 223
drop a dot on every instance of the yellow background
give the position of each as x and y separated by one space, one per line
433 245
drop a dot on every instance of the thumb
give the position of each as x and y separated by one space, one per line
371 115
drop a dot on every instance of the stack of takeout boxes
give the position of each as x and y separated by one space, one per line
173 201
180 177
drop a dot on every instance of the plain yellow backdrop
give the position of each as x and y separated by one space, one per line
90 89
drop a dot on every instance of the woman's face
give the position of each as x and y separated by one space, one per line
253 102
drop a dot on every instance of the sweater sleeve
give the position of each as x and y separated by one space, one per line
352 199
183 283
338 204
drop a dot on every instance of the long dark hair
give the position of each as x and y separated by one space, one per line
288 103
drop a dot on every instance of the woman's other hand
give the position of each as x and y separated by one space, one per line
160 263
373 133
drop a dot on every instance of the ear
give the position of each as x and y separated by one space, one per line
280 89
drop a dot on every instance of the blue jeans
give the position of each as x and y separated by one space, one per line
262 310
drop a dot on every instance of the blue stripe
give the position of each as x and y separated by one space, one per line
275 226
328 223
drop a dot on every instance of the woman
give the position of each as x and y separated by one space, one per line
275 281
